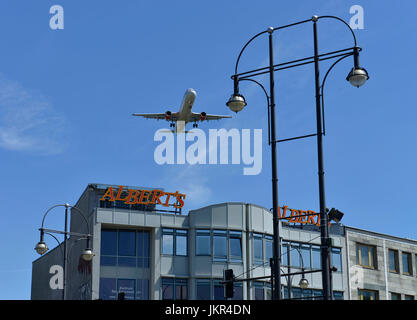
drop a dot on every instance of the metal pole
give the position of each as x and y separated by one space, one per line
324 226
277 248
65 251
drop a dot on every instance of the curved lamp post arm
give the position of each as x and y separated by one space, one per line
268 103
344 22
322 87
59 243
67 206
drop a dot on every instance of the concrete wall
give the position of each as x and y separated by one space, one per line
380 279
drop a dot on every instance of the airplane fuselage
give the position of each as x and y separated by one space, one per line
187 105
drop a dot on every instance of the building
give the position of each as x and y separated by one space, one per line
152 252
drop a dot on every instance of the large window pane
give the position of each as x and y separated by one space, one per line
316 257
218 291
181 245
203 289
295 293
219 245
127 243
107 290
258 249
168 244
142 289
336 258
306 254
128 287
285 253
393 260
407 263
143 249
109 242
238 293
235 249
258 290
295 255
268 248
167 289
181 289
203 247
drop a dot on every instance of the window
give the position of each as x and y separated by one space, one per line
284 253
408 297
258 290
238 293
219 245
128 287
181 289
181 243
167 289
218 290
295 255
407 268
126 248
395 296
258 253
296 293
337 295
306 254
108 289
142 289
203 289
318 294
336 258
393 261
174 242
269 246
203 247
143 249
316 257
174 289
235 246
108 248
168 241
367 294
366 256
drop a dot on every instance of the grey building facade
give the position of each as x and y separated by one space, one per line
152 255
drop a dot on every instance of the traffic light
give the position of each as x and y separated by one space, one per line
228 287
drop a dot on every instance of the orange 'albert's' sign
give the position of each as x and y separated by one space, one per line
145 197
299 216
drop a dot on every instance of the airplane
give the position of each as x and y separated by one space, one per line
184 115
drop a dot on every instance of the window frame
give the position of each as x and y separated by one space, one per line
396 261
409 263
374 292
175 233
371 256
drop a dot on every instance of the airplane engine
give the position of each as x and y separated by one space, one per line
203 116
168 115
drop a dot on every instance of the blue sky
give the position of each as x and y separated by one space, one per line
66 98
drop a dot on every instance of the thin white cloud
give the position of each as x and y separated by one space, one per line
28 121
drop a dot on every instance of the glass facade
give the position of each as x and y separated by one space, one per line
174 242
125 248
174 289
134 289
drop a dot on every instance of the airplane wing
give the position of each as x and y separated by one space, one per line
157 116
206 117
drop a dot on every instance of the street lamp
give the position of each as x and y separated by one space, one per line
357 77
41 247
